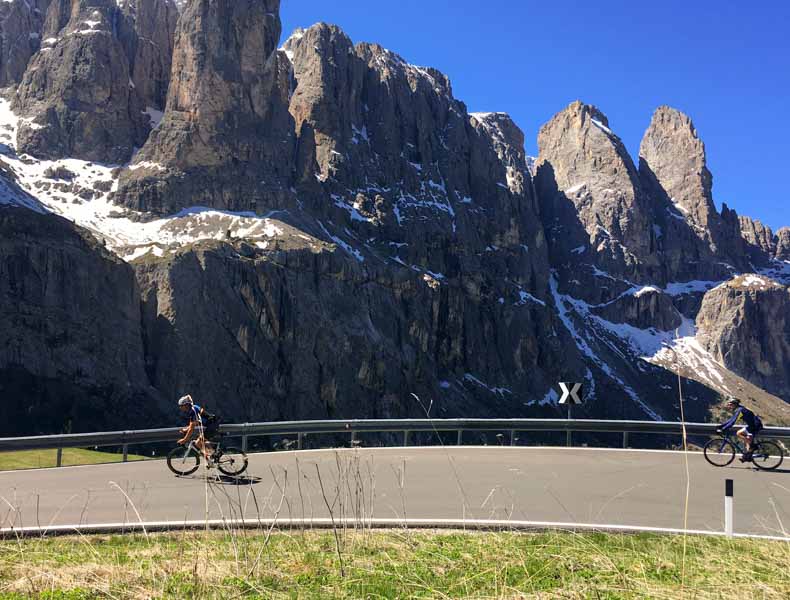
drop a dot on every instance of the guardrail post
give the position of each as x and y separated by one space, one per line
126 453
353 437
625 439
569 438
406 438
512 437
299 440
460 440
244 438
59 459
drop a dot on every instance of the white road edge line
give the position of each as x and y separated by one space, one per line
377 523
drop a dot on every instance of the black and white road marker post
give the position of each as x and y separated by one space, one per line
728 508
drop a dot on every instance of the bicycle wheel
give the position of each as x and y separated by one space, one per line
719 452
183 460
231 461
767 456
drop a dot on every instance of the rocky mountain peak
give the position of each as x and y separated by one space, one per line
399 157
759 237
783 244
226 137
673 152
326 102
507 140
590 189
698 242
288 45
507 136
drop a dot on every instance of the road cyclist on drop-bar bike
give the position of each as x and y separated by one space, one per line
721 451
185 458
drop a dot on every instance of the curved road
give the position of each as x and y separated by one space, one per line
604 488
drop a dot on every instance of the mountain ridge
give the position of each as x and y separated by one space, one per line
324 229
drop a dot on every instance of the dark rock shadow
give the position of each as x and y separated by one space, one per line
571 252
686 256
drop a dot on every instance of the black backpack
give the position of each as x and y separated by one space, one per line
209 419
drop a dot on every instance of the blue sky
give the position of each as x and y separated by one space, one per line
725 63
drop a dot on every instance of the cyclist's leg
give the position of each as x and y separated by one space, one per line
208 443
201 443
755 434
744 434
751 444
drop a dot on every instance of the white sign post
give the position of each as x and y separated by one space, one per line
570 396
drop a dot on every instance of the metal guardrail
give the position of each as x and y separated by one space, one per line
353 427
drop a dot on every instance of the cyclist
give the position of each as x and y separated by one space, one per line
198 420
748 433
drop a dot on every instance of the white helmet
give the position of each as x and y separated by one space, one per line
185 400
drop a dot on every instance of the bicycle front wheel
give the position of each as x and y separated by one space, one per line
719 452
183 460
767 456
232 461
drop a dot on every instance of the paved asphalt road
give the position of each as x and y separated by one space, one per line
603 487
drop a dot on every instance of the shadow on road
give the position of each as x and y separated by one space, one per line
745 467
224 479
239 481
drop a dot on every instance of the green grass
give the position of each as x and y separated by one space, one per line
394 564
39 459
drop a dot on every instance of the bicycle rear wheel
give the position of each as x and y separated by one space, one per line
719 452
231 461
767 456
183 460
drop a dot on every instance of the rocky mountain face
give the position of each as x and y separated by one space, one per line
226 140
594 208
72 345
21 23
78 97
695 240
321 230
745 324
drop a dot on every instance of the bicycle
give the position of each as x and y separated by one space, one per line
185 460
721 451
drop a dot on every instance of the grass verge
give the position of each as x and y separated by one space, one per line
395 564
40 459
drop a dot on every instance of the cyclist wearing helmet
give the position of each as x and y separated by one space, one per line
198 420
752 426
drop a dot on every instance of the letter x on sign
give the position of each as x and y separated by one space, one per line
570 391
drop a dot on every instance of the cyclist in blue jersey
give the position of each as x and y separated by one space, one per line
748 433
199 420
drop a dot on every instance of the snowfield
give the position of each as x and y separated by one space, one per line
79 191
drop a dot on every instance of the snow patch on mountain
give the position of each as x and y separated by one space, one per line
79 191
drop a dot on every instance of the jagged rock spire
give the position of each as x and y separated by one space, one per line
585 178
673 151
226 138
